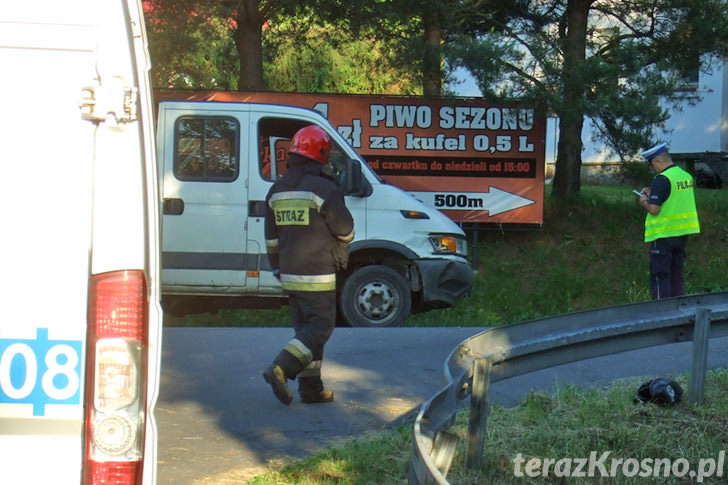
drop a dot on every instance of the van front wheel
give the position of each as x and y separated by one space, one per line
375 296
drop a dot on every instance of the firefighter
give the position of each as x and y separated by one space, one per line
307 230
671 216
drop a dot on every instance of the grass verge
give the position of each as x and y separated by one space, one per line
563 428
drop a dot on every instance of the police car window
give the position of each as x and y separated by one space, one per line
206 149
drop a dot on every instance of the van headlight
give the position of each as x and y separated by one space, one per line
449 244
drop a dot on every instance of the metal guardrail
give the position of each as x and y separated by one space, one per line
505 352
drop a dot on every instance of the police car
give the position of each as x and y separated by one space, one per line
80 325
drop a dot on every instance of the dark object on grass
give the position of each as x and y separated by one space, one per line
661 391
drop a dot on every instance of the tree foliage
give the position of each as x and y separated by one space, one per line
383 46
322 46
189 47
328 59
211 43
619 63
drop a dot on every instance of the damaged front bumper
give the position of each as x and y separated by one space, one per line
444 281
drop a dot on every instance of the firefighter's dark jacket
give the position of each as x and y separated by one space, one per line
307 227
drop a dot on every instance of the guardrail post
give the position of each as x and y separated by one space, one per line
700 355
478 423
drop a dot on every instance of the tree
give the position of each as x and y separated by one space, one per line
250 16
430 25
285 45
411 30
189 48
619 63
201 43
255 44
327 59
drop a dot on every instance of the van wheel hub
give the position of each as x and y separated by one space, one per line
376 300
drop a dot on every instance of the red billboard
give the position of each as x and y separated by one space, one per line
476 162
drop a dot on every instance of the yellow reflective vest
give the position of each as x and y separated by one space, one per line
678 215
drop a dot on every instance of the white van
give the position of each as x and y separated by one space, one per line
217 161
81 321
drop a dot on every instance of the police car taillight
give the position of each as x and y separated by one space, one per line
116 376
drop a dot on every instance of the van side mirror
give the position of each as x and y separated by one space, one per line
352 180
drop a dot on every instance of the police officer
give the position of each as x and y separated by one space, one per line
307 230
671 216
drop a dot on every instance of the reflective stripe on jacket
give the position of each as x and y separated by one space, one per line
678 215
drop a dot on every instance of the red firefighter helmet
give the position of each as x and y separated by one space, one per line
312 142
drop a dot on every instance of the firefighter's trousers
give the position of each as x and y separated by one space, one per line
314 318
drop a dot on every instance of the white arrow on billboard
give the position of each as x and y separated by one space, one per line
495 201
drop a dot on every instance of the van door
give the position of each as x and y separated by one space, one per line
268 163
205 198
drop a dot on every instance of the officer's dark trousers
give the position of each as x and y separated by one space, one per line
314 318
667 267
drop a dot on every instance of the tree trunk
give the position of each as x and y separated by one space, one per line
567 177
432 62
248 41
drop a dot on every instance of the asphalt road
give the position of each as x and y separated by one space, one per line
219 422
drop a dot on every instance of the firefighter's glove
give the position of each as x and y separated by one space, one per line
341 254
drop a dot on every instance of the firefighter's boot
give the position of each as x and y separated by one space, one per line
312 391
278 381
285 366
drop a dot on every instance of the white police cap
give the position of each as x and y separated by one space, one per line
651 153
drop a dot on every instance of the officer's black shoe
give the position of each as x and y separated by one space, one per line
278 381
324 396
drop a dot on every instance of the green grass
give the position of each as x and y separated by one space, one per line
568 424
589 254
573 422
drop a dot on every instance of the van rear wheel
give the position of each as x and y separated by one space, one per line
375 296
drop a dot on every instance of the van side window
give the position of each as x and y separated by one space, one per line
275 139
206 149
